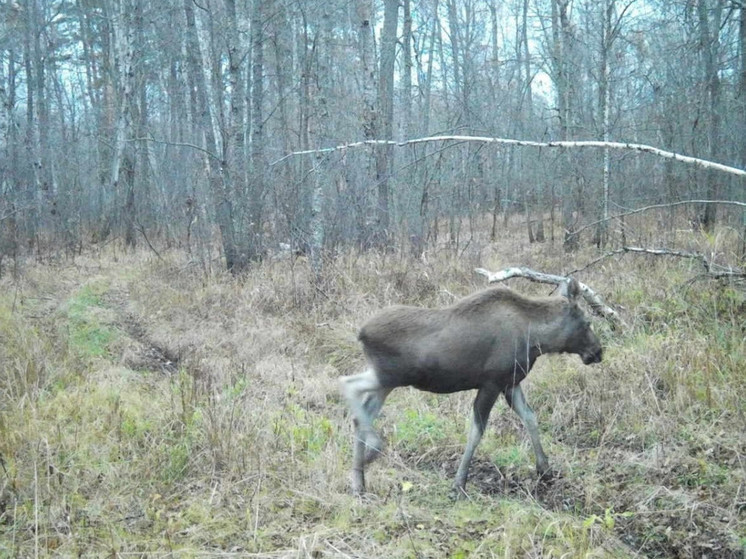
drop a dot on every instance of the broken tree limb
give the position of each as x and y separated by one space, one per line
715 271
512 142
639 250
594 300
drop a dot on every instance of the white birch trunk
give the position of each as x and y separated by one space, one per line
605 98
317 225
123 55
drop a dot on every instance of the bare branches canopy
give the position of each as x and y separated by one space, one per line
176 120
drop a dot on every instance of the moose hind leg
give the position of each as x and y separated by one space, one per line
358 461
372 405
517 401
364 395
356 390
483 403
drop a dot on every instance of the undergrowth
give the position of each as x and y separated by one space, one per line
240 443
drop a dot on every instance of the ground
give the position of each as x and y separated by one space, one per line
148 408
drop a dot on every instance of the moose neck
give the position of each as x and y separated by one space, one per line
546 335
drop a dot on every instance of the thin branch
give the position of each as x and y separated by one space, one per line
655 207
178 144
593 299
512 142
723 272
13 212
141 229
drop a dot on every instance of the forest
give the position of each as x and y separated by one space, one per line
174 122
202 201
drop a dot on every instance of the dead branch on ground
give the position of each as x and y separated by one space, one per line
712 270
594 300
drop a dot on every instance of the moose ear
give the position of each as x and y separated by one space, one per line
570 289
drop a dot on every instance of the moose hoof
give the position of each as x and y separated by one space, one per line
373 447
547 475
457 493
358 483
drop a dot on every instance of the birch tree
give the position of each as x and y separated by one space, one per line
234 173
369 114
255 196
608 33
709 31
204 137
561 77
385 153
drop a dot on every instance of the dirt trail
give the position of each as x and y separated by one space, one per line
142 353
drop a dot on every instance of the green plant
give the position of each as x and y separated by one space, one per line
303 431
418 428
89 335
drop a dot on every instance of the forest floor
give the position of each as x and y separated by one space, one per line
150 409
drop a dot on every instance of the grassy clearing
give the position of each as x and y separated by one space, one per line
148 409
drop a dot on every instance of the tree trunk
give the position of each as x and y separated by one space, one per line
407 73
495 61
30 179
122 30
220 197
258 164
385 154
316 242
710 44
234 157
742 96
456 56
604 99
525 111
429 80
560 35
369 120
319 101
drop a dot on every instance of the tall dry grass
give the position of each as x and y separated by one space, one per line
149 409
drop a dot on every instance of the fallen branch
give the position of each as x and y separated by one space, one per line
712 270
593 299
512 142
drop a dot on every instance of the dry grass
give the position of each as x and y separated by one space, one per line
147 409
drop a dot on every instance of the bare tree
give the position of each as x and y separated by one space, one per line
742 96
122 163
609 31
256 192
205 138
168 129
385 154
407 70
710 45
561 76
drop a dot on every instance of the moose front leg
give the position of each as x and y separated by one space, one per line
517 401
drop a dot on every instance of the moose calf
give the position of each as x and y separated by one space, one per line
487 341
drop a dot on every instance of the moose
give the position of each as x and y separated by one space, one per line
487 341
